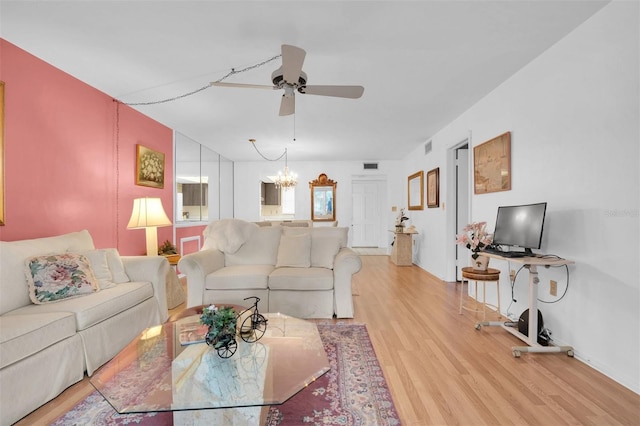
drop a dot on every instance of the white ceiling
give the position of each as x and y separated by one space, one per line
422 64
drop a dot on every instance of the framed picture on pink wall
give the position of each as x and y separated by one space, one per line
149 167
1 153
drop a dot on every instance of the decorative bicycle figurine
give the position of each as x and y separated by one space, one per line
254 325
223 328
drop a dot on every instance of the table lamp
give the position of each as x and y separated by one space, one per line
148 213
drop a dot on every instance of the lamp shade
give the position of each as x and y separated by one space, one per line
147 212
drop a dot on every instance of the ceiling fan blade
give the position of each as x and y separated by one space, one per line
243 86
292 60
351 92
287 105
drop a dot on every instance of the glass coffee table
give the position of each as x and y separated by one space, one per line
156 373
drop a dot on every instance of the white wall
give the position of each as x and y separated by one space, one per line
247 176
573 114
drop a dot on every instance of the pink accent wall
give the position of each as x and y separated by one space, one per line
186 232
70 157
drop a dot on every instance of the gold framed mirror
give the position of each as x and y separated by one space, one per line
415 186
323 199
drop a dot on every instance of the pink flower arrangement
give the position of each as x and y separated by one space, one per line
475 237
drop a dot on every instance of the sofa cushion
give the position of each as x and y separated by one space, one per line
239 277
24 335
107 267
116 266
228 235
324 250
100 267
342 233
294 251
295 224
260 249
325 243
301 279
97 307
55 277
12 277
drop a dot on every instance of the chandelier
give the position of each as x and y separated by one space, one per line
285 179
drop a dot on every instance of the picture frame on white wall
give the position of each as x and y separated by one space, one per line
433 188
492 165
415 186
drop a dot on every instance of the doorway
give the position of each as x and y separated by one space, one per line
459 178
367 194
462 204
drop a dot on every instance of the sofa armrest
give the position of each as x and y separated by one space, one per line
345 265
153 269
196 266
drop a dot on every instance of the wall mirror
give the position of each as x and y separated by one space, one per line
204 182
323 199
415 186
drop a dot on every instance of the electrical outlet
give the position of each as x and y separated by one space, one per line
553 288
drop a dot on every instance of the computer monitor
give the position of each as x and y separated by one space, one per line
520 226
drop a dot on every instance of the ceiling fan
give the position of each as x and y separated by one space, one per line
290 77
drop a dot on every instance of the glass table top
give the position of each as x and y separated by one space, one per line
155 373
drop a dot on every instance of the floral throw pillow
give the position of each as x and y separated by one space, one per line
53 278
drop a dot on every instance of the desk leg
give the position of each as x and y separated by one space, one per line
532 339
512 327
533 305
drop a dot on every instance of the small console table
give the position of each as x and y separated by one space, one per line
531 264
402 250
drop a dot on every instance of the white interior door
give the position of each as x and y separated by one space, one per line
462 205
366 214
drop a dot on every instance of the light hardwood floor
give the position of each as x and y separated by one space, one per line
441 371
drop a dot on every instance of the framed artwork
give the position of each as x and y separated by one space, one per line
433 188
492 165
416 191
149 167
1 153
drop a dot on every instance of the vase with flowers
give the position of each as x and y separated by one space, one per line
475 237
400 221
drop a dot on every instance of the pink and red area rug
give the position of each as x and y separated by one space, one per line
353 392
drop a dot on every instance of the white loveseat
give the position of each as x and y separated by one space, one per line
44 348
302 272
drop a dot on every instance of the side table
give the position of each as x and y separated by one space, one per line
490 275
175 293
402 250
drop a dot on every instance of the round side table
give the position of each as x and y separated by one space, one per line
491 275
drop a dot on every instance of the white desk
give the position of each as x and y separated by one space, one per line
531 263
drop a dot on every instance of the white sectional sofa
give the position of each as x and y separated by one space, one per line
46 347
299 271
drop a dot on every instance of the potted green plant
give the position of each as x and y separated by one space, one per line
167 248
222 328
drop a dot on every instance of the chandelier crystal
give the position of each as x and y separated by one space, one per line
286 179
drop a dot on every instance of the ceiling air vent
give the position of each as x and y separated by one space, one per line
371 166
427 147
